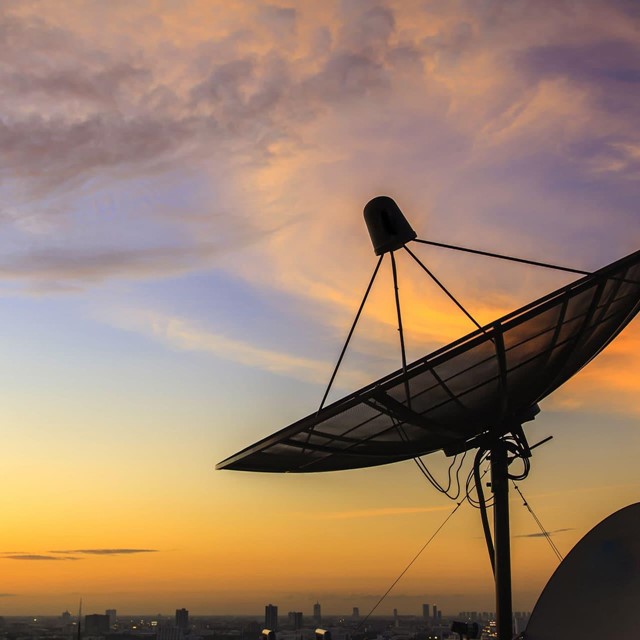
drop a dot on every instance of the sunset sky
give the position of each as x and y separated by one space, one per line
183 251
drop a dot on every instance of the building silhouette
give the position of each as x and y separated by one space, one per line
112 617
356 613
295 619
426 614
317 613
169 632
96 624
182 619
271 617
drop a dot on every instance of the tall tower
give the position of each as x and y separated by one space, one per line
295 620
182 619
112 617
426 613
271 617
317 613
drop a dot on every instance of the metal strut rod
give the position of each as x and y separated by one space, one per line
501 256
353 327
444 289
400 330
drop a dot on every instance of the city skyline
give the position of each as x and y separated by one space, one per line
183 252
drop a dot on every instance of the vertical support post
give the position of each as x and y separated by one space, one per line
501 537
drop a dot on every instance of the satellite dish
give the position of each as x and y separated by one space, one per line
596 589
474 393
475 388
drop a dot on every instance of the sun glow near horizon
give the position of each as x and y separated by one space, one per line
183 253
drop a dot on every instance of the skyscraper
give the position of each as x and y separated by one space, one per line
182 619
317 613
112 617
295 619
271 617
169 632
96 624
356 613
426 614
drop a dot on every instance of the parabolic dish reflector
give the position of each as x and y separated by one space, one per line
479 384
596 589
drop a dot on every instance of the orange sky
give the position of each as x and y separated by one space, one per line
183 252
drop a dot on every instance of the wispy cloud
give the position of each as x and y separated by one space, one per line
539 534
36 556
106 552
72 554
380 512
182 333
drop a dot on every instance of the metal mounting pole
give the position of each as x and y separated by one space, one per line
500 488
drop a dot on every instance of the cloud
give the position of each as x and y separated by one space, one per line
91 266
179 332
86 107
610 382
377 512
542 535
36 556
107 552
491 125
72 554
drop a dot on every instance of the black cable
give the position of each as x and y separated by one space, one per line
519 451
422 467
470 484
481 453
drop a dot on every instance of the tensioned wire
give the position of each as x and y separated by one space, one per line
546 534
419 462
